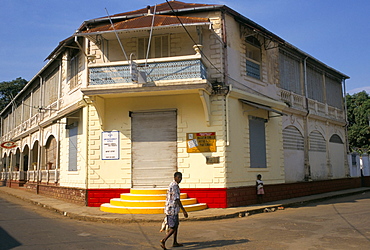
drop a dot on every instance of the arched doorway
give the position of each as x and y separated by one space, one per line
16 164
34 156
293 143
4 163
26 152
337 156
51 153
32 175
317 156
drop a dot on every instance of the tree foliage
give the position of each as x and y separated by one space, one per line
358 111
8 90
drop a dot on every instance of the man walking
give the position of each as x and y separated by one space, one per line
172 209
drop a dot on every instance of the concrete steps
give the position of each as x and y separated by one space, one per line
147 201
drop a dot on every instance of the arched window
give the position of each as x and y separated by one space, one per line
254 58
336 139
317 142
51 153
292 138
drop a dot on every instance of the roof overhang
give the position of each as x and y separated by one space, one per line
261 106
144 23
108 32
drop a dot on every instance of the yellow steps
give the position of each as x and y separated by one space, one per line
147 201
142 197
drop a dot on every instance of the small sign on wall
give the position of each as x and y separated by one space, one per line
201 142
110 145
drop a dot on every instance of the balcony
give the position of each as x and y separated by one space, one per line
170 71
315 107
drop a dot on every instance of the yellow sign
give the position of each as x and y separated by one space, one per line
201 142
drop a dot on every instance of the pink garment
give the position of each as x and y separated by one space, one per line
260 191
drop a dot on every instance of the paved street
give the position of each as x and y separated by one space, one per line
341 223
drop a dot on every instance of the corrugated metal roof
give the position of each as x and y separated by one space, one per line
176 5
146 21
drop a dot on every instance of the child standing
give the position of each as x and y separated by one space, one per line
260 190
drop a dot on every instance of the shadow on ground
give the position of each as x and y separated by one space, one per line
7 241
214 243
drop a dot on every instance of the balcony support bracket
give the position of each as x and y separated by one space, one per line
204 97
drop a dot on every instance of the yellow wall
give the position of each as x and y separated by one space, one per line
190 118
112 114
239 172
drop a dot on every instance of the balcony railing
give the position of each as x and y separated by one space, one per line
13 175
4 176
45 176
30 123
155 70
292 98
298 102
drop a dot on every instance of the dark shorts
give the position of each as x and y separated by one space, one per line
173 221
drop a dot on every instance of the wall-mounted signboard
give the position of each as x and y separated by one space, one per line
110 145
201 142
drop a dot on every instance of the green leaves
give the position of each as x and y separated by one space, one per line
358 112
8 90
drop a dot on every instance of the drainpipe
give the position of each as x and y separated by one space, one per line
58 140
307 166
225 54
39 155
346 128
225 70
87 150
227 116
345 111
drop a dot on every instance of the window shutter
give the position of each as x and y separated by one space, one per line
257 142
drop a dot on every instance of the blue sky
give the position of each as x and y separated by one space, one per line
333 31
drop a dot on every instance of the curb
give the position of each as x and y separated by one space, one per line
224 214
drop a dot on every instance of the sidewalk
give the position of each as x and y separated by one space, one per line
94 214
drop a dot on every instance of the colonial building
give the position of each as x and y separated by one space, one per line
131 98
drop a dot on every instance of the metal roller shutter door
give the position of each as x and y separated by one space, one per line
154 148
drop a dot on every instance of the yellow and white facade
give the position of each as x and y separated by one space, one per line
222 101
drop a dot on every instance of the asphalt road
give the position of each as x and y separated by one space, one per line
341 223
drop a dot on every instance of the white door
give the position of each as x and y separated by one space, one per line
154 148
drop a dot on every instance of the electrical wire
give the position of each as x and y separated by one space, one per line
205 56
150 36
115 32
